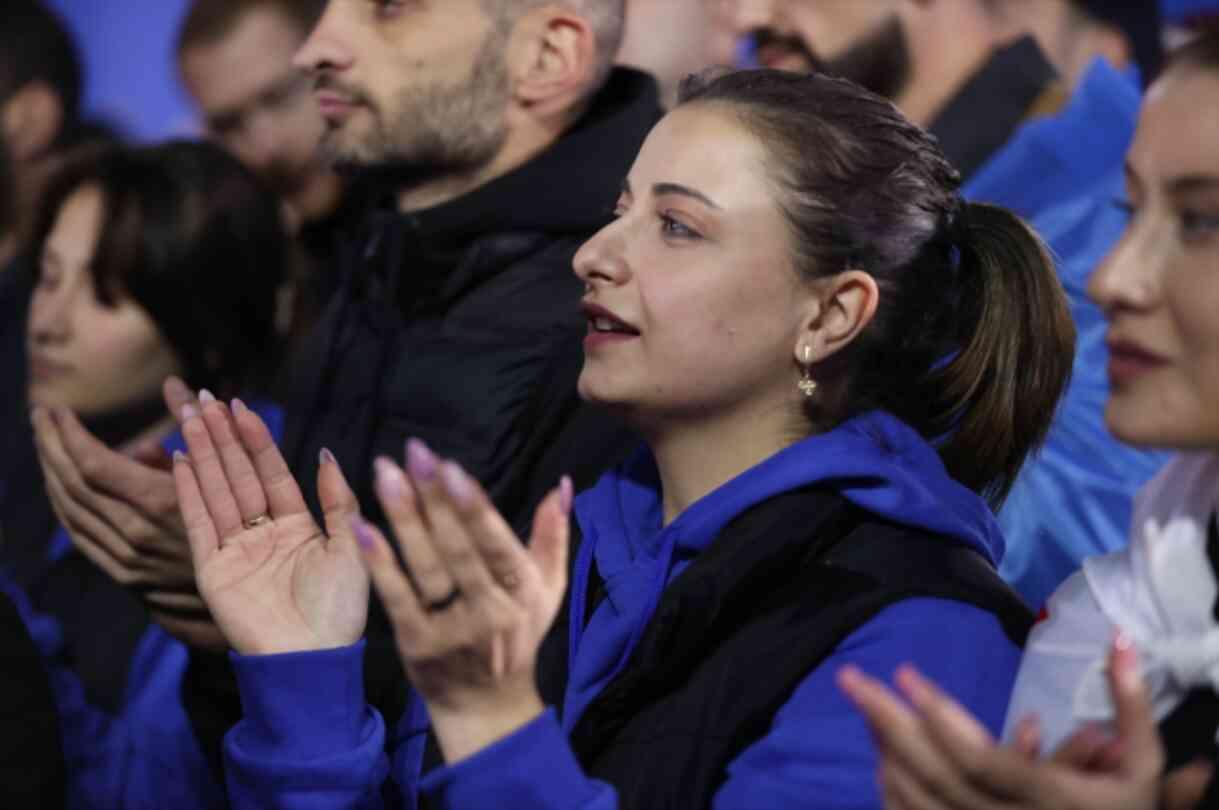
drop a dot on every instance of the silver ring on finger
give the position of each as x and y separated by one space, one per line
443 603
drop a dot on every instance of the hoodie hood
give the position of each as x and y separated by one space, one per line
875 461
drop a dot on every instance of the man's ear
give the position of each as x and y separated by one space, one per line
32 118
844 305
552 57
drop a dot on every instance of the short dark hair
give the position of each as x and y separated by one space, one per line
972 342
191 236
208 21
36 46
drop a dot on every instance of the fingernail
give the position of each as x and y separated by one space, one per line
363 535
179 457
189 412
206 396
390 482
326 457
566 494
238 406
1122 641
456 482
420 461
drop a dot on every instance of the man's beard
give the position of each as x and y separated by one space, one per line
879 61
442 129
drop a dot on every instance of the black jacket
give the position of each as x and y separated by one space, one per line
693 697
460 325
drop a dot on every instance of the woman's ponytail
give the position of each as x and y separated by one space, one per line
1016 344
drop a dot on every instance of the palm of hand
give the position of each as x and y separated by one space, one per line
285 575
272 579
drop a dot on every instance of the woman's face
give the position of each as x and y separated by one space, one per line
1160 286
696 279
83 354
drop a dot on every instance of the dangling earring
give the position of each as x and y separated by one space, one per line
807 385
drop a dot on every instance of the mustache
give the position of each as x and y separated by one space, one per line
793 43
329 83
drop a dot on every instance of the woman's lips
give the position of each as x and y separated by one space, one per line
1128 362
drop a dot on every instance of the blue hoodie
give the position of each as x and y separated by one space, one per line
146 754
1064 174
306 727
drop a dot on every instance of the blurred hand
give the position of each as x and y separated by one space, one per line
469 622
274 581
121 511
934 754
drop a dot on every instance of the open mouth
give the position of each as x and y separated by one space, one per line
603 322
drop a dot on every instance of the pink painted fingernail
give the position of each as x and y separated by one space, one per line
326 457
238 406
566 494
206 396
456 482
189 412
391 483
364 537
420 460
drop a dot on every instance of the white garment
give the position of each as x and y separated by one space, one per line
1160 591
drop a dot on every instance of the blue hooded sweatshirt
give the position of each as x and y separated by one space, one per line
146 754
308 741
1064 174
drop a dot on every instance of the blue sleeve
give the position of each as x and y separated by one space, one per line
534 767
145 756
307 739
819 752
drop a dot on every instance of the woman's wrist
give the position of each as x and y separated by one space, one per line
464 731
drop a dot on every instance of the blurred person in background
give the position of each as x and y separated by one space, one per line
672 39
235 58
459 323
974 74
152 262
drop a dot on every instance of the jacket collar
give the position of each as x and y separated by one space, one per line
992 104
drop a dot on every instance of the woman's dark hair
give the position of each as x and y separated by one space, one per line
972 341
190 235
1200 52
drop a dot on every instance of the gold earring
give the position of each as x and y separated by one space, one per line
807 385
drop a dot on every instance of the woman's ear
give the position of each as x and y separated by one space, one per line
552 57
843 305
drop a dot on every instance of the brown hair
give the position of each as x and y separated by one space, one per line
972 341
208 21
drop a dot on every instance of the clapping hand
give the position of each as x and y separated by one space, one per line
934 754
471 616
274 581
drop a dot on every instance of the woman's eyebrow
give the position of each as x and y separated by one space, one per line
660 189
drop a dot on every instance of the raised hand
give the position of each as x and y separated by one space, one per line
274 581
120 509
470 620
934 754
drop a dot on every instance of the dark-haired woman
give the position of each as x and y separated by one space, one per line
838 367
150 263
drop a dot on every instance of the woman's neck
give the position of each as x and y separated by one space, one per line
696 458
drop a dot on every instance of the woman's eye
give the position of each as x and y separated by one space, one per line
672 227
1196 225
1125 205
